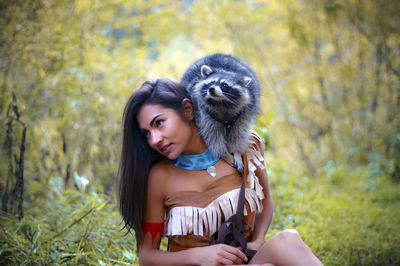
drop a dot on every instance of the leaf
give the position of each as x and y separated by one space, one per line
81 181
102 206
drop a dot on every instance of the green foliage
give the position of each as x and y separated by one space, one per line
76 228
327 69
330 100
346 216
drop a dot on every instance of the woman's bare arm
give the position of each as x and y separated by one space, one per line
263 219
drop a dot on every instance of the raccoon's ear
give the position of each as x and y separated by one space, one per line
206 71
246 81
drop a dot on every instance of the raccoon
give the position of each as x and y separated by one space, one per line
225 94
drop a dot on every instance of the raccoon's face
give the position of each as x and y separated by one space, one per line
224 89
221 91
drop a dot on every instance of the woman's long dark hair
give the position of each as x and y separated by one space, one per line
136 156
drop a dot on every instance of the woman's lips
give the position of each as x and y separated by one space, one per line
166 149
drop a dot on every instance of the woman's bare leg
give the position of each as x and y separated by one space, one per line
285 248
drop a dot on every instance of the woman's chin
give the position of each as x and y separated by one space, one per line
171 152
171 157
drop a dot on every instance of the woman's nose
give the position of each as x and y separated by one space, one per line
156 138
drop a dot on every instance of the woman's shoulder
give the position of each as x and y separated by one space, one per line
159 178
160 170
256 142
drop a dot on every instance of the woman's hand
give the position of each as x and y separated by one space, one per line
254 245
220 254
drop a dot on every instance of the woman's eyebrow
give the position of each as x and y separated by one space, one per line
154 118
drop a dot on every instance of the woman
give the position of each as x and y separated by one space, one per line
161 195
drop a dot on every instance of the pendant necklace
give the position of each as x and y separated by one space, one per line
202 161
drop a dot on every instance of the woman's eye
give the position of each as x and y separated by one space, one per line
159 122
146 133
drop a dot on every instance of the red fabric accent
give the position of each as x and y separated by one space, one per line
154 229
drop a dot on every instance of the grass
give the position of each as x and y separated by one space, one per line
346 216
77 228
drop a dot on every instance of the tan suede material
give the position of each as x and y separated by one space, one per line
202 199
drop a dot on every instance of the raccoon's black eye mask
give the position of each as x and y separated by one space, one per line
207 71
224 86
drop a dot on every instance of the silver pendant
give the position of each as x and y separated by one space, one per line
212 171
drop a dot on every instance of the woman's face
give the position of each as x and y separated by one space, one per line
166 131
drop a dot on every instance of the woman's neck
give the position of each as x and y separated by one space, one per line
197 144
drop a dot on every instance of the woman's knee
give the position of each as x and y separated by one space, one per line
289 239
289 235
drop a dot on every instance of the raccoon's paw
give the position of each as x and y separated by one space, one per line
238 162
235 160
228 158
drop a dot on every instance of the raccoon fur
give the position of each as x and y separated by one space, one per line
225 94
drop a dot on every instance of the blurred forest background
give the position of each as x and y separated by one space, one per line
330 75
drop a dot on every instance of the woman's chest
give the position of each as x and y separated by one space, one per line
197 180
